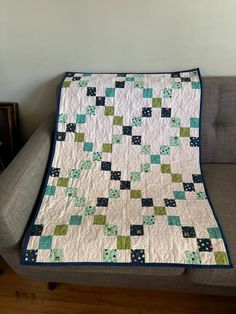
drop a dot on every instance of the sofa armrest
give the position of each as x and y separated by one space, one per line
20 184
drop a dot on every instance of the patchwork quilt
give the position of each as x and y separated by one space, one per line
124 184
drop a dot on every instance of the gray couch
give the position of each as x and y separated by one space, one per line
21 181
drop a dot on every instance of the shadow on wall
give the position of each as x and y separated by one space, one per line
38 104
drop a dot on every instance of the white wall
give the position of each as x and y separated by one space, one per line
39 40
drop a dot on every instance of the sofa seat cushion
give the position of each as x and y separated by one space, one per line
221 184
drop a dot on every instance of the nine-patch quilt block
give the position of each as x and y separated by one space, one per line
125 184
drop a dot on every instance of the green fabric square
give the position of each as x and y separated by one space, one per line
129 79
80 118
63 182
159 210
164 150
45 242
145 167
89 210
50 190
176 177
179 195
155 159
97 156
117 120
75 220
60 230
165 168
136 121
184 132
149 219
56 255
175 122
79 137
135 193
66 84
214 233
91 110
110 230
192 257
71 191
83 83
174 141
145 149
123 242
194 123
107 148
80 201
110 92
156 102
88 147
176 85
114 193
86 164
173 221
62 118
116 139
221 258
147 93
135 176
109 111
109 256
99 220
201 196
138 84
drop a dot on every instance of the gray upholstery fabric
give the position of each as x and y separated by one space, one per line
221 183
219 120
20 184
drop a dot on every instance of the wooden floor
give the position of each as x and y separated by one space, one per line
20 295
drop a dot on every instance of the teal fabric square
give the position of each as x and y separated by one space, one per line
62 118
88 147
173 221
75 220
196 85
214 233
110 92
155 159
45 242
80 118
50 190
194 123
71 191
147 93
179 195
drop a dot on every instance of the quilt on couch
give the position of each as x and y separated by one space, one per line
124 184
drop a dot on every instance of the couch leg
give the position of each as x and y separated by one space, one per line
52 285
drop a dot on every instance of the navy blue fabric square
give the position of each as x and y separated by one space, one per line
125 185
185 79
120 84
136 140
127 130
102 202
100 101
204 245
136 230
91 91
76 78
197 178
61 136
70 127
31 255
138 256
121 74
115 175
169 202
147 202
36 230
175 74
194 141
188 232
147 112
165 112
106 165
188 187
55 172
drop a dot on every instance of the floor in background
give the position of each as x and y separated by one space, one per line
20 295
